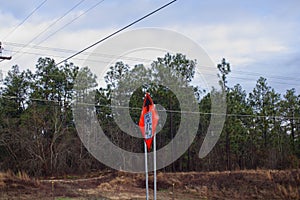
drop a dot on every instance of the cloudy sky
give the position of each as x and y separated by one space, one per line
258 38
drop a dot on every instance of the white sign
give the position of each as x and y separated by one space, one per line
148 125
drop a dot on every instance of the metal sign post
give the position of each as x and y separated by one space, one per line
154 165
146 172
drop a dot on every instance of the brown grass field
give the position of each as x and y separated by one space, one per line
248 184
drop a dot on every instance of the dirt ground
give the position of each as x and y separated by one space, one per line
248 184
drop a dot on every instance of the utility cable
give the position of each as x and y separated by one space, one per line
34 10
147 60
52 24
203 68
116 32
168 111
64 26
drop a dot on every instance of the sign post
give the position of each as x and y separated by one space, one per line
146 172
154 166
148 122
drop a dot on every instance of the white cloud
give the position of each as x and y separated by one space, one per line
236 41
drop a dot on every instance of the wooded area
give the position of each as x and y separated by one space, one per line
38 135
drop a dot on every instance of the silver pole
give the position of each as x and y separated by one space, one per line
154 165
146 171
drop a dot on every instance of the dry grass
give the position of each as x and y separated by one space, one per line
3 177
2 183
105 187
288 192
243 184
23 176
9 178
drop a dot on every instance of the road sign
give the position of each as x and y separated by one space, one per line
148 120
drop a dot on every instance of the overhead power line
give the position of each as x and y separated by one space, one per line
95 55
118 31
22 22
203 69
292 83
48 27
70 22
62 26
279 117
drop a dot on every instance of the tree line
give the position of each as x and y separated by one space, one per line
38 134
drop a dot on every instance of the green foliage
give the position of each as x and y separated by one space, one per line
37 132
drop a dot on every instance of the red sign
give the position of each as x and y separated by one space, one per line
148 120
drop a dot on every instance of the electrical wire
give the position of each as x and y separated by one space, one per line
203 68
26 18
89 9
168 111
67 24
48 27
296 83
90 54
116 32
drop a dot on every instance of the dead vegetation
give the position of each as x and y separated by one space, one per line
248 184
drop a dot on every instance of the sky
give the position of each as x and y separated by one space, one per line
258 38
